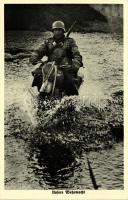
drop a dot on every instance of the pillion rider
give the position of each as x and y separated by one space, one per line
64 51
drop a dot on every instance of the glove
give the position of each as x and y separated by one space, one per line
75 65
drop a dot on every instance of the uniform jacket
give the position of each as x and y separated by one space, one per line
64 52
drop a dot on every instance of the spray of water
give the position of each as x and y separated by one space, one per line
30 107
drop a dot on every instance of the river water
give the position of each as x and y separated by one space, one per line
49 149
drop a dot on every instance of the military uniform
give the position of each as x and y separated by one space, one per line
65 53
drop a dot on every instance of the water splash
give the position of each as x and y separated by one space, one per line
75 123
30 107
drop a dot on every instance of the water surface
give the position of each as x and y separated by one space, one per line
54 157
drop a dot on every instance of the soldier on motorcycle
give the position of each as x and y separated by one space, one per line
64 51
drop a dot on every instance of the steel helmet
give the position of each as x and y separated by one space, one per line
59 25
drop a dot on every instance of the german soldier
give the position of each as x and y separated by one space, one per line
64 51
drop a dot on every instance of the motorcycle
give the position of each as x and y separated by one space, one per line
54 81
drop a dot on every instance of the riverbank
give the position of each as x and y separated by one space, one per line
89 17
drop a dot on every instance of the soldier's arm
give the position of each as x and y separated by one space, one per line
76 57
38 54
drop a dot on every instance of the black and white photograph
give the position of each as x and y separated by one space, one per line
63 97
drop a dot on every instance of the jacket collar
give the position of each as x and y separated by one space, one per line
60 40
